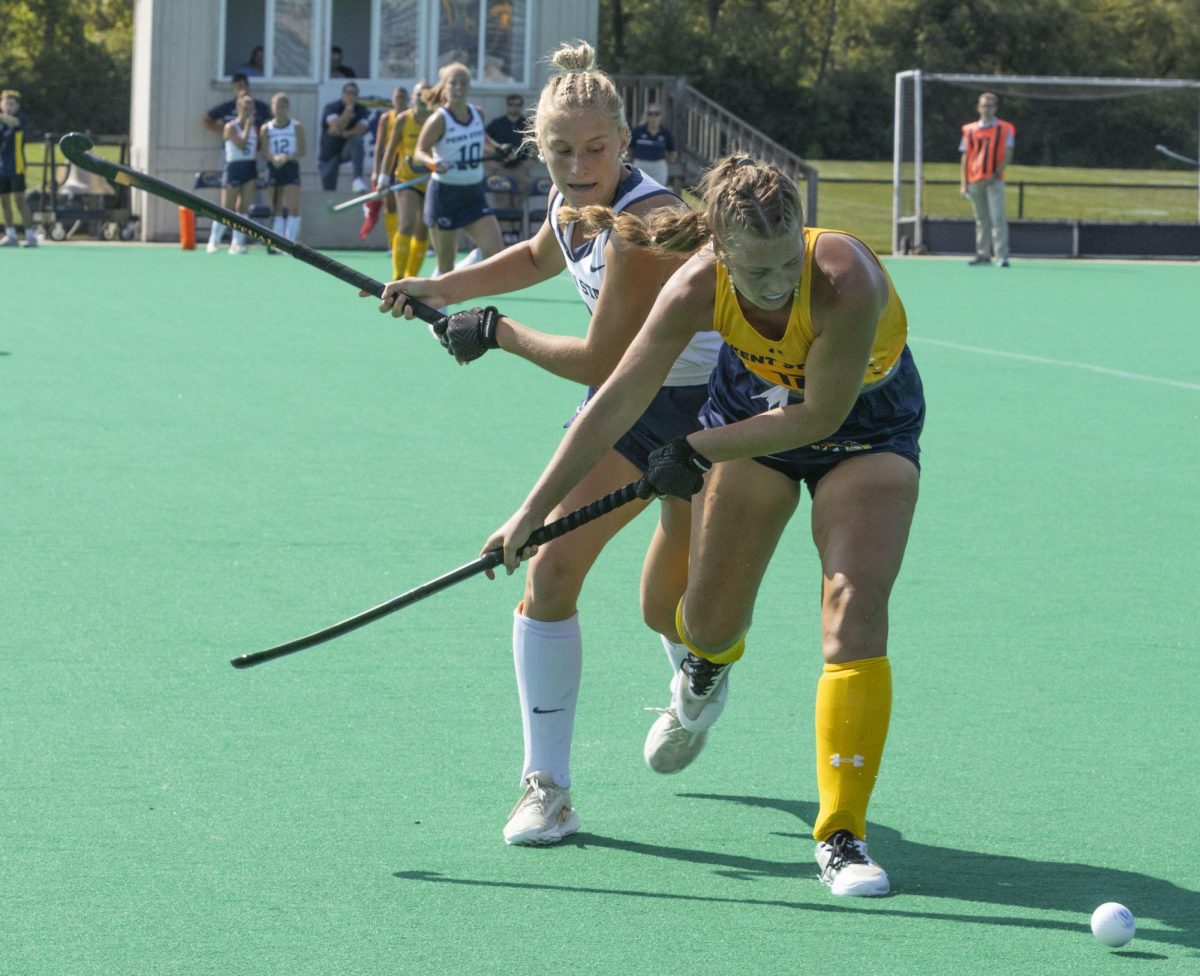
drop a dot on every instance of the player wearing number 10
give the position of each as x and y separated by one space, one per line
451 146
282 141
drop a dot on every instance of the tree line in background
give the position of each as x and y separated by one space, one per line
815 75
71 60
818 76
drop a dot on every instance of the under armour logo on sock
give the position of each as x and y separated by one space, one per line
837 759
544 711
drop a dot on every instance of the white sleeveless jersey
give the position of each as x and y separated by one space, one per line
586 267
281 139
461 147
234 154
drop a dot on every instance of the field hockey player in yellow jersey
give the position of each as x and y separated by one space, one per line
814 384
403 221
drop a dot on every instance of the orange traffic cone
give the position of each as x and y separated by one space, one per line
187 229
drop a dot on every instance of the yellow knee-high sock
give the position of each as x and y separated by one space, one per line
416 257
400 247
390 223
854 704
727 656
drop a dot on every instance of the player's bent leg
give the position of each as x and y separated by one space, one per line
861 515
485 232
742 509
444 244
664 576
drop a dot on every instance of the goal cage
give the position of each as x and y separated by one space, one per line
1125 126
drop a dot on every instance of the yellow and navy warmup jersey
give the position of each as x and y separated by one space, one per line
410 129
12 147
781 361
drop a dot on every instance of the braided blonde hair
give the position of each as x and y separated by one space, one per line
578 84
740 195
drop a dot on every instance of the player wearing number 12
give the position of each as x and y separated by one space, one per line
814 385
282 141
451 146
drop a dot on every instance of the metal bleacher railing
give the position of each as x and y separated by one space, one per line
704 132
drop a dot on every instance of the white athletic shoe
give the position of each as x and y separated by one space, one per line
473 256
213 247
9 242
847 869
698 694
358 185
238 249
543 815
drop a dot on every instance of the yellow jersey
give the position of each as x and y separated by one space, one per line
406 145
781 362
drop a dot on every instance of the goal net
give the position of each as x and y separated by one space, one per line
1124 147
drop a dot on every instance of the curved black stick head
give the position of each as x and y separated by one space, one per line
74 145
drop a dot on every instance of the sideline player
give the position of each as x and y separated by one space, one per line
580 129
241 172
411 237
451 147
815 385
13 124
282 140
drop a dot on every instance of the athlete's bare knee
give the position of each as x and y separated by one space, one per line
854 622
713 629
552 584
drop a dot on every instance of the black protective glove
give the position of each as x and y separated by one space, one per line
674 469
468 335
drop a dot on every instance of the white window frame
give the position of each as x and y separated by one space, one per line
478 81
225 74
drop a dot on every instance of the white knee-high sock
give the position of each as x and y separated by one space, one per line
239 237
293 229
214 235
277 224
675 654
549 660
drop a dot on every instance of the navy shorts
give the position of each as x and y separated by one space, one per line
12 184
884 420
674 412
449 206
286 175
239 172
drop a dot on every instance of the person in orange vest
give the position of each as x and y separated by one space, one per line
987 149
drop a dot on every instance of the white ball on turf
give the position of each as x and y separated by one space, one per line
1113 924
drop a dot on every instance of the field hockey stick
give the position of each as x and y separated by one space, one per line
1171 154
490 559
75 146
377 194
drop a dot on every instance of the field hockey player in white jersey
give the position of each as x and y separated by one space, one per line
581 133
241 171
451 146
282 141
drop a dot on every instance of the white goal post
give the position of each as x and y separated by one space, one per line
908 162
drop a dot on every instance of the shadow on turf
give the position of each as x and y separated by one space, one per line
945 872
916 869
